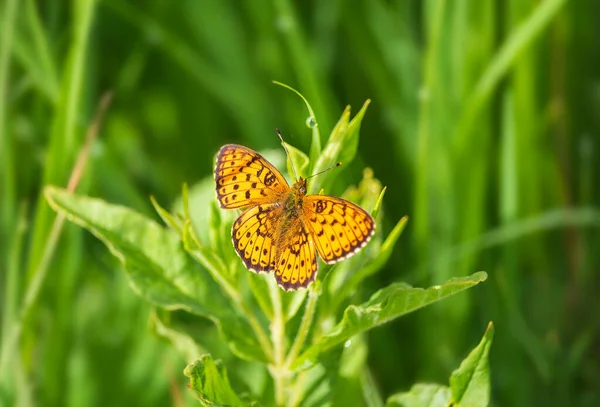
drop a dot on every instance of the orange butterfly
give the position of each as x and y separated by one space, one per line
282 228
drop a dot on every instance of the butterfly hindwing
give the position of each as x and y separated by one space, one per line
296 262
339 228
253 235
245 178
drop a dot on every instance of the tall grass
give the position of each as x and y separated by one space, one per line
483 126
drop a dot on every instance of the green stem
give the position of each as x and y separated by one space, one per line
278 369
305 325
296 394
303 331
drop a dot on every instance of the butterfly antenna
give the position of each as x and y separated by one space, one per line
325 170
287 153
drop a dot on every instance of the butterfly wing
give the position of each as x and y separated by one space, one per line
339 228
244 178
253 235
296 263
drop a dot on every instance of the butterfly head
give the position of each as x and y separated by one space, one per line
300 186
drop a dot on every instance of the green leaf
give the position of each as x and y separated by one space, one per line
342 144
470 383
421 395
210 383
291 302
299 159
157 265
383 306
330 153
260 287
350 146
378 203
166 217
195 204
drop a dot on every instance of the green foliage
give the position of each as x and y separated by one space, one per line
385 305
483 127
209 381
160 266
469 384
157 265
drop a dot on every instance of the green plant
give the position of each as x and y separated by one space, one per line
191 274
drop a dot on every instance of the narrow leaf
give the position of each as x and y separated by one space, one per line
331 151
470 383
378 203
385 305
350 146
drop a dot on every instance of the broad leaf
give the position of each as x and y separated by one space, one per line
421 395
470 383
158 267
385 305
210 384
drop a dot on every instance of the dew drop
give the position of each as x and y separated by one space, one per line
311 122
348 343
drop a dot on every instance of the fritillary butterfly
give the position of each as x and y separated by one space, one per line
282 228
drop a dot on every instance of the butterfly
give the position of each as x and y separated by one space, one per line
282 229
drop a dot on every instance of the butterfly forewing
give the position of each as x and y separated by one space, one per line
245 178
339 227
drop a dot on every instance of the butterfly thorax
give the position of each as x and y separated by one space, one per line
293 201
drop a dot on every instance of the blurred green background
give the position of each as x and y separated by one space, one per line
483 125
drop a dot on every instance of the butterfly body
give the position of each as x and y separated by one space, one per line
294 200
282 228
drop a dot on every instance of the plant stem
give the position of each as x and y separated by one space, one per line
303 330
278 369
305 325
296 393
